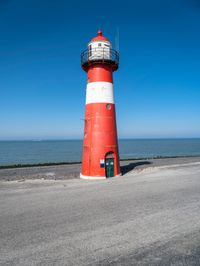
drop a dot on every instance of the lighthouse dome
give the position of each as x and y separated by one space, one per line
99 37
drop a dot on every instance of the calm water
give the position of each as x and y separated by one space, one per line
14 152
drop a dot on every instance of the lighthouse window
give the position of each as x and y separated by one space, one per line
108 106
90 50
99 44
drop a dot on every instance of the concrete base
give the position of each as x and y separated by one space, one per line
92 177
96 177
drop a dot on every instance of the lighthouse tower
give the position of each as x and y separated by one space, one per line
100 157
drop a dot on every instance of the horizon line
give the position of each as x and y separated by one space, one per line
80 139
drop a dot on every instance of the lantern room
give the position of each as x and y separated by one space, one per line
99 50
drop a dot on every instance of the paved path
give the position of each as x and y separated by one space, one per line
146 218
71 171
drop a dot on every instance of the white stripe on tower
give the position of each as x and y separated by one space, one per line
99 92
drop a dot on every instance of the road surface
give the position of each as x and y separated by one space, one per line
146 217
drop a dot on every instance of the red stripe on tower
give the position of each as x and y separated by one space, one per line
100 157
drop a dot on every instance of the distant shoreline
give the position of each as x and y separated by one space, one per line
10 166
80 139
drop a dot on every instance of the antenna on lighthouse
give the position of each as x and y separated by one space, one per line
117 40
99 31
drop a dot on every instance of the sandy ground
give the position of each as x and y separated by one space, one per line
149 216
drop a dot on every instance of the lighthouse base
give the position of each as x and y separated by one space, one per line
92 177
96 177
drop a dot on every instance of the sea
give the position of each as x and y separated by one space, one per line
56 151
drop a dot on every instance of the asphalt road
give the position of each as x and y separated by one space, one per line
151 217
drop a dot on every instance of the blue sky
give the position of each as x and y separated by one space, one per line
42 87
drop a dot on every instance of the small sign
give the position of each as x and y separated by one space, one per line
102 162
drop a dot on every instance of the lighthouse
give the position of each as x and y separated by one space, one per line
100 158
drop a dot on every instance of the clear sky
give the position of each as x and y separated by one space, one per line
42 86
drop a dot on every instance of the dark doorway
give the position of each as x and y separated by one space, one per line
110 165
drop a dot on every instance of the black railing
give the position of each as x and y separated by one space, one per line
100 55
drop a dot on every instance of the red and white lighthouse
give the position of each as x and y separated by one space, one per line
100 157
